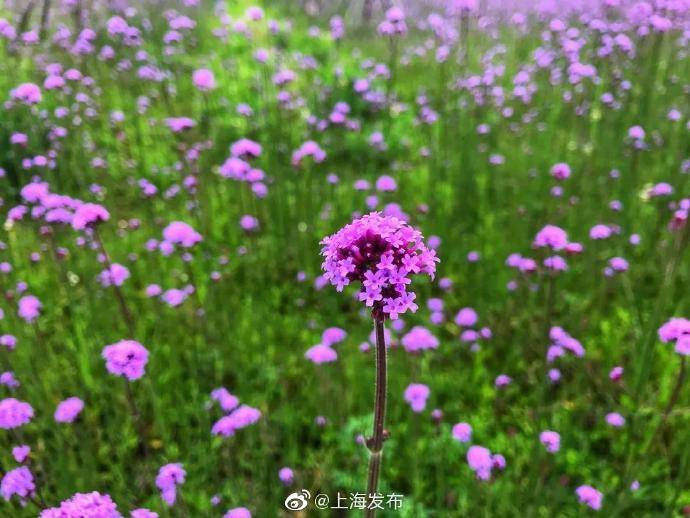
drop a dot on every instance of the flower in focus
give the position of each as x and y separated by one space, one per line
382 253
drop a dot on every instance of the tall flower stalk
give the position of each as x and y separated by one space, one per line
375 442
382 253
121 301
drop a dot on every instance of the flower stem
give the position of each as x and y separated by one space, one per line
375 443
126 313
136 418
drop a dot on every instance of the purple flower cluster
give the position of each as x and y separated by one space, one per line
225 399
14 413
126 358
482 461
462 432
29 308
18 481
68 410
238 512
590 496
562 343
239 418
382 253
309 148
84 505
551 440
419 339
115 275
321 353
416 395
238 167
677 331
169 477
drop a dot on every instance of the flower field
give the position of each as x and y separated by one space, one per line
425 258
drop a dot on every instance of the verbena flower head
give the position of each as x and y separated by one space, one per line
382 253
550 440
143 513
169 477
416 395
9 341
462 432
240 418
615 419
480 461
418 339
115 275
29 308
179 124
88 214
225 399
14 413
466 317
182 234
286 475
320 353
590 496
333 335
18 481
238 512
203 79
84 505
560 171
20 453
126 358
27 93
551 236
677 330
68 410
